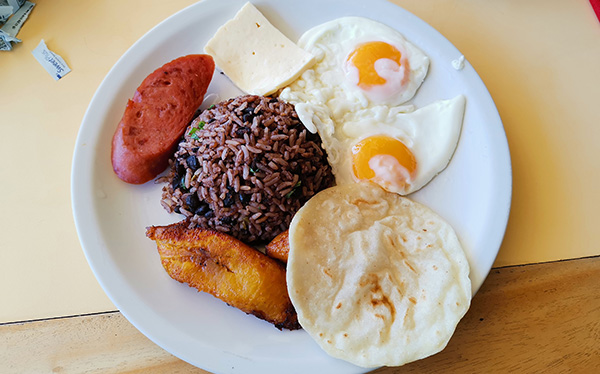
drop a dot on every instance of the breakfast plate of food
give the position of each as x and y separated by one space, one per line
316 186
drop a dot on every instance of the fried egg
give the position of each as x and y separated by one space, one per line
362 63
355 97
403 152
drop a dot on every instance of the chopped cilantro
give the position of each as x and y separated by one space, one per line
289 194
212 106
182 184
193 134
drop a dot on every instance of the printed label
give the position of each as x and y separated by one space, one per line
53 63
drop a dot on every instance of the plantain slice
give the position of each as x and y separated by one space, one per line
228 269
279 247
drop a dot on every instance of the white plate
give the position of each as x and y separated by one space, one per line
473 193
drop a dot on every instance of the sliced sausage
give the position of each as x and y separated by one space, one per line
157 116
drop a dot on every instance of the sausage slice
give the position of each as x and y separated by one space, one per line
157 116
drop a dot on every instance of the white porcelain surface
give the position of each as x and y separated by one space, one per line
473 193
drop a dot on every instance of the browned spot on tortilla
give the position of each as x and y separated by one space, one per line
377 296
329 341
425 230
401 288
408 320
369 279
345 335
321 334
409 266
374 280
376 302
391 240
362 201
379 316
412 300
326 271
338 306
435 267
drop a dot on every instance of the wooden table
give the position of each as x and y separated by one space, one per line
539 309
524 319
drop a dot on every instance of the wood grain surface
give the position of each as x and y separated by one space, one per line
525 319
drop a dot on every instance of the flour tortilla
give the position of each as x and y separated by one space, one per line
376 279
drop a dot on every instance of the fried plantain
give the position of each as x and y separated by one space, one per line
225 267
279 247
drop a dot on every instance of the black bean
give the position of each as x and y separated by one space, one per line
247 117
228 200
227 220
240 131
180 169
209 214
178 183
245 198
255 161
175 182
202 209
192 202
192 162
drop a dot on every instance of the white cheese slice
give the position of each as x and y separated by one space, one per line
255 55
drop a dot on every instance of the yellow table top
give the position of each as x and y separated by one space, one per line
539 60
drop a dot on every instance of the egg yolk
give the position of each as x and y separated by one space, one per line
364 57
379 146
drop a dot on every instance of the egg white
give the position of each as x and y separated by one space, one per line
331 83
431 133
329 102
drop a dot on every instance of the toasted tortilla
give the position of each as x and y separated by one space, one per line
376 279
